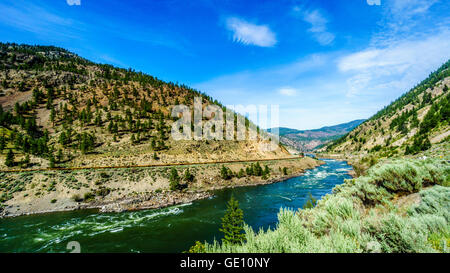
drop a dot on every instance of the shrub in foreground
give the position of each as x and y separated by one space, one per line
363 216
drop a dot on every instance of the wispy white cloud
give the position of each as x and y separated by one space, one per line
354 85
408 8
288 91
318 24
250 34
111 60
73 2
397 67
23 16
404 19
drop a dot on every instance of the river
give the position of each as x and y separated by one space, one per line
172 229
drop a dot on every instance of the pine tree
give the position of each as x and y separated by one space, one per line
2 143
52 161
111 127
225 173
233 223
52 116
188 176
310 203
9 161
249 170
240 173
59 156
257 170
174 180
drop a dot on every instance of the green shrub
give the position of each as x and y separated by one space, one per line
188 176
88 196
77 198
197 248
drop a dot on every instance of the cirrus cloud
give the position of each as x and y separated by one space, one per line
318 24
250 34
73 2
288 91
394 67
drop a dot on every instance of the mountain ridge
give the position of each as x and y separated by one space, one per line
308 140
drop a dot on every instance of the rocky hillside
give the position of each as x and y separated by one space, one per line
410 125
58 109
309 140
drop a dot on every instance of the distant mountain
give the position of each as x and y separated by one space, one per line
412 124
308 140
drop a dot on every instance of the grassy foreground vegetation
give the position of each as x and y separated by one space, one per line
401 206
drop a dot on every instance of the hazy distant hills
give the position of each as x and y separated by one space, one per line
308 140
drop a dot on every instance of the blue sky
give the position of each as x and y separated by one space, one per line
323 62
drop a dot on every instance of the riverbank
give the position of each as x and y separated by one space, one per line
130 189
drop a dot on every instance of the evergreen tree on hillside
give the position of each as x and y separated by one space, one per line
257 170
9 161
188 176
233 223
174 180
51 160
52 116
2 143
60 156
241 173
226 173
